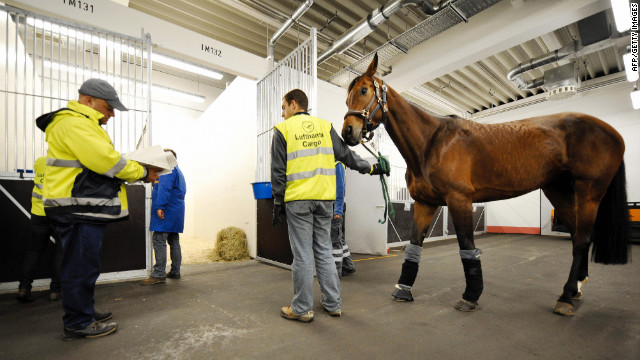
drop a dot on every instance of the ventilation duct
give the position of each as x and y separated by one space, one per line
287 24
515 74
561 82
368 25
445 15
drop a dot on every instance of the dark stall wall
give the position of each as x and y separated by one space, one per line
272 242
123 249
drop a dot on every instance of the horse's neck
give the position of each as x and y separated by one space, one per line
411 129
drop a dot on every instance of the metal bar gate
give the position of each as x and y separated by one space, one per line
43 62
298 70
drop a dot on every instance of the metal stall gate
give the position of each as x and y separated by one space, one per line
400 228
43 62
298 70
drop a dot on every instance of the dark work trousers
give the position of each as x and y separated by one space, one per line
82 246
340 249
41 232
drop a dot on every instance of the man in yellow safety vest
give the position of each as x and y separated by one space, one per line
303 180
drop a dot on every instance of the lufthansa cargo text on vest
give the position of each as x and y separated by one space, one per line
309 139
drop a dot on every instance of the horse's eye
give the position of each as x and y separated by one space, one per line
363 91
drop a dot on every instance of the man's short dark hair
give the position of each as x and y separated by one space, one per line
299 96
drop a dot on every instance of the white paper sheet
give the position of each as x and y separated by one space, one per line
154 156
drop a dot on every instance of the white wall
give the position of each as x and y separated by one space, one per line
611 104
217 154
517 215
172 128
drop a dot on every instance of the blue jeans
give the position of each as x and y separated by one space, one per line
82 246
160 240
309 224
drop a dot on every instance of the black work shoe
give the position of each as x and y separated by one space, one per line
55 295
171 275
346 272
97 329
102 315
24 296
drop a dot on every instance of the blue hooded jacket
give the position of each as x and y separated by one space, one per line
168 194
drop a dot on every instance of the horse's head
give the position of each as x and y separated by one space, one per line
367 103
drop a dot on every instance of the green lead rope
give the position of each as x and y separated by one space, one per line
386 168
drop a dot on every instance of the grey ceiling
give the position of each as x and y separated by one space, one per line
249 24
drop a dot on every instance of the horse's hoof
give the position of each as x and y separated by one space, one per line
562 308
466 306
402 295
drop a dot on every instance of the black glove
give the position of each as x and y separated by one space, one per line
278 210
376 169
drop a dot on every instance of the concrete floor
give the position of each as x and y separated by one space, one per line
231 311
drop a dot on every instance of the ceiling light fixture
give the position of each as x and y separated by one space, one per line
178 93
92 39
180 64
86 74
622 14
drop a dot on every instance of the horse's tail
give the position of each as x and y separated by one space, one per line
611 232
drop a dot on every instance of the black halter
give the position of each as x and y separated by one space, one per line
367 114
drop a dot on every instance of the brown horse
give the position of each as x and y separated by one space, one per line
576 159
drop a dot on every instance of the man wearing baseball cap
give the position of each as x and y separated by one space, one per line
84 191
101 90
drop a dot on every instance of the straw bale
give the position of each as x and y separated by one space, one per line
231 245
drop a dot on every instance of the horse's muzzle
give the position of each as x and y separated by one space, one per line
349 137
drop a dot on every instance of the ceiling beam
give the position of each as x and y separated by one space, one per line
467 43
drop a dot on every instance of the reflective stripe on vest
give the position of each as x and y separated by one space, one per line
309 152
123 213
84 201
310 173
39 169
116 168
64 163
76 164
81 201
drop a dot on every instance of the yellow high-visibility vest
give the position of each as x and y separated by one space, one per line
311 172
39 169
85 173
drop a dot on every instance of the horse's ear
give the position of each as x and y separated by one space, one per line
373 67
